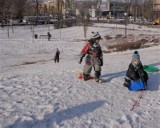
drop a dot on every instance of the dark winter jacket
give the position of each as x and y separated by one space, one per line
136 72
49 35
57 53
94 53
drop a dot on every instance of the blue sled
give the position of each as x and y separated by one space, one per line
136 86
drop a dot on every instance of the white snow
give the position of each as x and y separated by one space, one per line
35 92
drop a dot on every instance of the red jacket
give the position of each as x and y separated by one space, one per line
90 49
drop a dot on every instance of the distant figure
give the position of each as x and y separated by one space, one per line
56 58
49 36
35 36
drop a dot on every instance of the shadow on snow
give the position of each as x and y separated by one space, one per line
57 117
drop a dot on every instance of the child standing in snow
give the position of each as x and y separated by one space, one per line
56 58
135 71
94 57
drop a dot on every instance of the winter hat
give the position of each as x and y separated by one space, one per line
95 36
135 56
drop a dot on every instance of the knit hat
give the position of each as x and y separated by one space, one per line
135 56
95 36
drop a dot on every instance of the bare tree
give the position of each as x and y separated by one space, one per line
2 12
20 8
7 10
139 8
59 12
128 7
29 9
148 9
84 16
37 11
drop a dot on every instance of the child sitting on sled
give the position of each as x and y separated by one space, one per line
135 71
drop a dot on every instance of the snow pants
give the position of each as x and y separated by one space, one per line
90 63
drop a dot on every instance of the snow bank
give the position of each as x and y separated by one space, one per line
35 92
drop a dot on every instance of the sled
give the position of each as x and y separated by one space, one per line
80 76
149 68
136 86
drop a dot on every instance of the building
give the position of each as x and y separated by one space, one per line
156 5
83 7
48 7
103 8
117 9
92 8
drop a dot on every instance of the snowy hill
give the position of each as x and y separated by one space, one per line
35 92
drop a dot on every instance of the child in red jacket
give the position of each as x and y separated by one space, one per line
94 57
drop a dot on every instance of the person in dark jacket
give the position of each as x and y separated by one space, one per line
49 36
94 57
135 71
56 58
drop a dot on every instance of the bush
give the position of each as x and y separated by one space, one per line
70 23
125 46
119 36
120 43
156 41
107 37
143 41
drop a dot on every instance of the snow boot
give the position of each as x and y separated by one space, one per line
97 75
97 79
86 77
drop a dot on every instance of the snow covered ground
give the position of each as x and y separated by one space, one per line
35 92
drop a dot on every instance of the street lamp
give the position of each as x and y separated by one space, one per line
125 14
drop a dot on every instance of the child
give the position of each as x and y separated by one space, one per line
56 58
94 57
135 71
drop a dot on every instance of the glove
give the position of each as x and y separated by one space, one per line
81 58
80 61
101 62
137 80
